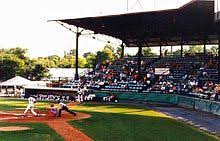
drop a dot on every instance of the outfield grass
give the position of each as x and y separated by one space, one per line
132 123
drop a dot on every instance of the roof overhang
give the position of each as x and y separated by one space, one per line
190 24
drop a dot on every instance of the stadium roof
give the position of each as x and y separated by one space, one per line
191 24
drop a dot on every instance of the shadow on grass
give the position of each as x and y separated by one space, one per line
129 123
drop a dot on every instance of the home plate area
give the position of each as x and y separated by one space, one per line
44 116
58 124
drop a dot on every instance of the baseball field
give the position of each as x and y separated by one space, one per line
94 121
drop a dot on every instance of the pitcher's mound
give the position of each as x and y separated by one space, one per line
14 128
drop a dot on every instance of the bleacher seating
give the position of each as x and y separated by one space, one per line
186 75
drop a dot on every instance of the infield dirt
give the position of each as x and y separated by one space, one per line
59 124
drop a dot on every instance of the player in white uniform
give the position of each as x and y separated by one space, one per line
31 101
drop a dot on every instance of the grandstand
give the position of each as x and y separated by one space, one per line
191 24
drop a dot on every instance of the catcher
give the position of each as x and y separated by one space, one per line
52 110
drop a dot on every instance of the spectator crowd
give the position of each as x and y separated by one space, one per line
192 75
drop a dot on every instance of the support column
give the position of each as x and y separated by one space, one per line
160 49
122 50
171 50
204 47
181 49
77 56
219 59
139 61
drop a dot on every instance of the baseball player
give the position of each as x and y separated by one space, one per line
63 106
53 110
31 101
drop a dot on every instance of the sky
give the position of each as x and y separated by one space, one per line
24 23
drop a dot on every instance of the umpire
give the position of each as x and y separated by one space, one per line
64 107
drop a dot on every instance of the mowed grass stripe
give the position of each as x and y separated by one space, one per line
134 123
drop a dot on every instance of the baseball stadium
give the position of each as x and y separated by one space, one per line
132 98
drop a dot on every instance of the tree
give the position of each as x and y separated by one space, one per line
38 72
85 55
55 59
194 49
10 66
214 50
82 62
67 62
19 52
118 52
148 52
178 52
109 47
90 60
106 54
71 52
47 62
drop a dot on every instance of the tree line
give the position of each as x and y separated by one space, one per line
14 61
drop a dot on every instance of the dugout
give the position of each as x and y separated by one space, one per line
49 91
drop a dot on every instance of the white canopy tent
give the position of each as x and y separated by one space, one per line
17 81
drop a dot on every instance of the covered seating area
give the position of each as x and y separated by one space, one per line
192 24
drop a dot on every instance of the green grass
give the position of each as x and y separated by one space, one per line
38 132
12 103
132 123
108 123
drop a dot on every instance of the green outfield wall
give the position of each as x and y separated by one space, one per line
182 101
